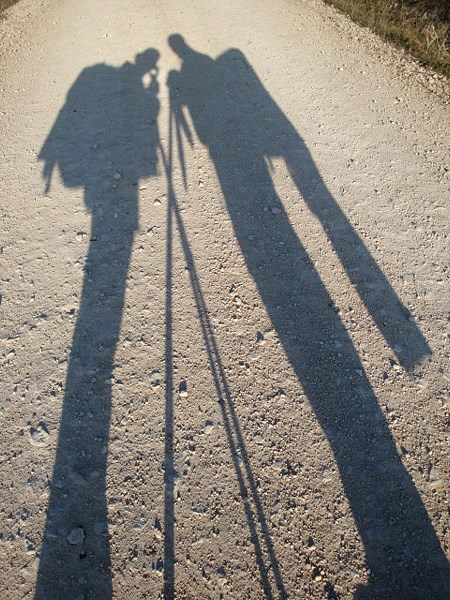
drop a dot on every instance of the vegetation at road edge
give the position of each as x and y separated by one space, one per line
420 26
4 4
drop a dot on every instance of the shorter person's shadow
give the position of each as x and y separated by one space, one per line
242 127
104 140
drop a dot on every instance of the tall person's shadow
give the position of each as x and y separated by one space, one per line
242 127
104 140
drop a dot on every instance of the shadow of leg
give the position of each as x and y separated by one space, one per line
75 552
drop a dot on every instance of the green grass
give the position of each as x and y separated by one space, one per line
420 26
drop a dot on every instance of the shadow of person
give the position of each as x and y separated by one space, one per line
242 127
105 139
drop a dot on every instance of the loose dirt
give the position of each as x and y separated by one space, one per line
224 305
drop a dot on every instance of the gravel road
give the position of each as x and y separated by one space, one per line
224 305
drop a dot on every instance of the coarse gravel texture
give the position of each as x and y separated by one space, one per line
224 305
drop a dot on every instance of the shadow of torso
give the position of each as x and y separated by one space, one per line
242 127
104 140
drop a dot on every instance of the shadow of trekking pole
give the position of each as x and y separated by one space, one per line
256 521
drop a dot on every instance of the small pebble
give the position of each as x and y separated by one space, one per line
433 476
209 427
100 528
76 536
156 384
51 533
39 435
182 389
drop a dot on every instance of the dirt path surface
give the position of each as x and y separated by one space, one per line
224 305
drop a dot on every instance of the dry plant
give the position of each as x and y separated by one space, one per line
4 4
420 26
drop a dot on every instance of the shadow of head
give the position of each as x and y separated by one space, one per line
178 45
146 61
